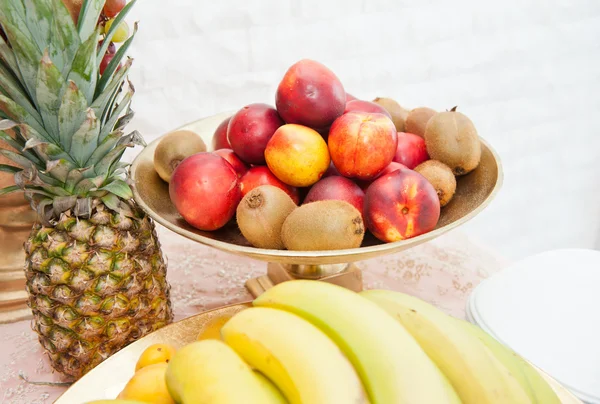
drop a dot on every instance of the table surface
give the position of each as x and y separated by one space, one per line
442 272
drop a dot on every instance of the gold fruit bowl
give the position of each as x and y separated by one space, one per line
107 380
474 192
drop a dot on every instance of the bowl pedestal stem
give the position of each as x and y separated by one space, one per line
346 275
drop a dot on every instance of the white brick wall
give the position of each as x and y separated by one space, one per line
526 71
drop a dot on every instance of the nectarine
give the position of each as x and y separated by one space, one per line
401 205
250 129
337 188
297 155
204 189
362 144
219 140
366 106
310 94
411 150
238 165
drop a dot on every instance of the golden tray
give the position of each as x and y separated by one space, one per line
474 192
107 380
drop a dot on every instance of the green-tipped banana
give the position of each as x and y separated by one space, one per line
536 387
475 373
392 366
211 372
295 355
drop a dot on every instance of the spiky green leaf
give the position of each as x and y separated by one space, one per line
66 40
59 169
16 113
119 188
12 88
102 102
115 61
9 60
84 70
39 17
86 185
18 158
49 94
71 115
9 169
85 139
77 175
110 124
88 18
111 201
9 190
106 163
107 145
17 145
25 50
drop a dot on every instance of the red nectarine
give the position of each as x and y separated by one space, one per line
219 140
411 150
337 188
366 106
261 175
238 165
205 191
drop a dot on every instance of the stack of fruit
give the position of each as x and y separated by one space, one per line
353 165
314 342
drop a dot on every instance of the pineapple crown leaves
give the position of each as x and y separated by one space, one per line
64 122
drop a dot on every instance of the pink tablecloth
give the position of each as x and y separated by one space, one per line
442 272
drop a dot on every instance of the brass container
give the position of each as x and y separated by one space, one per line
474 192
16 219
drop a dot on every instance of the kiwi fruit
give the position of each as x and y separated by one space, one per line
441 177
451 138
173 148
398 113
417 119
260 216
323 225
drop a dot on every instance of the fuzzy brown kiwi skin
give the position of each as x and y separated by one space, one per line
323 225
441 177
417 119
260 216
451 138
173 148
398 113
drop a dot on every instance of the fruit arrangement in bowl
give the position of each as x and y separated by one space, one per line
314 342
321 170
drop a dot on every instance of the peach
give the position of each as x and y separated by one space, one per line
337 188
411 150
310 94
261 175
204 188
250 130
238 165
362 144
219 140
401 205
366 106
297 155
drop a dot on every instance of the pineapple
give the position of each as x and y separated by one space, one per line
95 272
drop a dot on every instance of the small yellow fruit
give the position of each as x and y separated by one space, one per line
148 385
212 328
157 353
121 33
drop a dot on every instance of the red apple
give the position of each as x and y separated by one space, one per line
219 140
362 144
261 175
205 191
310 94
250 129
366 106
232 158
401 205
411 150
337 188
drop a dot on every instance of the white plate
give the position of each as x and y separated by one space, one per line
547 308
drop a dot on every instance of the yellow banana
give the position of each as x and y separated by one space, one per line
536 387
211 372
477 376
392 366
298 358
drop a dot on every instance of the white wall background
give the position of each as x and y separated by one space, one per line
527 72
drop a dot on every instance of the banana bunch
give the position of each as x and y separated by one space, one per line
310 342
